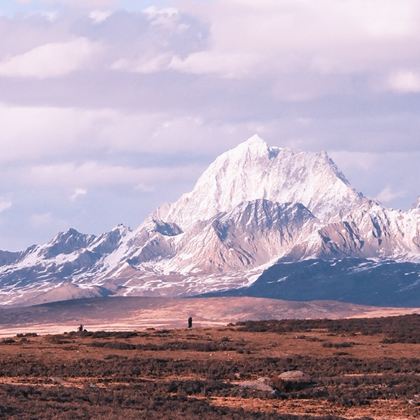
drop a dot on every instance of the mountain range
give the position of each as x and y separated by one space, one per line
258 214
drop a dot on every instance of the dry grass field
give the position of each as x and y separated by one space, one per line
353 368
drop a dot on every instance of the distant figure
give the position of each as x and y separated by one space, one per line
190 322
80 329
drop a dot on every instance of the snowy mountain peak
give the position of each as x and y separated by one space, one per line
255 143
66 234
253 147
255 139
324 157
417 203
121 228
253 170
70 236
66 243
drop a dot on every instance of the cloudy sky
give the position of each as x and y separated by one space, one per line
109 108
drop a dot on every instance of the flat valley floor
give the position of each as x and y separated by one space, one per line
353 368
136 313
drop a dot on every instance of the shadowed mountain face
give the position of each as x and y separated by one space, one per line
255 207
360 281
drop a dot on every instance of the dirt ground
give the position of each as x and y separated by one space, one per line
129 313
363 368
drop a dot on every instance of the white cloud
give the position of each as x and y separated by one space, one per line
153 11
5 204
230 65
82 4
96 174
404 82
61 133
388 194
49 15
280 36
77 193
167 19
144 65
50 60
99 16
30 133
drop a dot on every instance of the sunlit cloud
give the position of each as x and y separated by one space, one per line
404 82
5 204
78 193
387 195
99 16
50 60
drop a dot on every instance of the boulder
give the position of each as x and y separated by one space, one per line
294 375
292 380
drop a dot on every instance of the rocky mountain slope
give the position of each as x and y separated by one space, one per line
253 208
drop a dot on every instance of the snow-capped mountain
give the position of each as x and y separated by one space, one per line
254 207
253 171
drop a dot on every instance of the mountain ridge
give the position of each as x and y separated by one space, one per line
273 173
252 207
